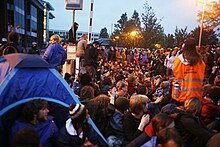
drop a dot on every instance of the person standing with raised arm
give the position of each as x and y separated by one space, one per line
189 70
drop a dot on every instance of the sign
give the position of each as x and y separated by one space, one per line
74 4
71 52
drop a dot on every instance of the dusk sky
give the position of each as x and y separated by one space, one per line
180 13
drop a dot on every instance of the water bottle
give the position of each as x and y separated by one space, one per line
176 89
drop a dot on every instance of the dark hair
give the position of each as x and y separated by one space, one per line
189 51
32 108
96 43
13 37
67 76
161 121
26 137
122 104
215 94
142 89
87 92
85 79
102 101
168 134
107 81
170 54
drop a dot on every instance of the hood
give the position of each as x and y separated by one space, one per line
116 121
71 130
184 61
59 47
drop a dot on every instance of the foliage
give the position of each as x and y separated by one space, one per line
180 36
122 33
169 41
104 33
211 17
121 23
208 36
153 32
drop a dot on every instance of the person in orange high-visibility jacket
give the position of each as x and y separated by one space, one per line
189 72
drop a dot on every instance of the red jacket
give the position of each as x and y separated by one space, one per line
209 111
149 130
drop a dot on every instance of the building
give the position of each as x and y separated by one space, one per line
64 34
25 17
47 14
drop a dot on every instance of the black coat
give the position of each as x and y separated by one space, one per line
67 140
91 57
192 129
131 126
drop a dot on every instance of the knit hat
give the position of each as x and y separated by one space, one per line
122 104
169 109
75 110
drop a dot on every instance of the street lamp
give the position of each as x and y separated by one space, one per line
205 3
134 33
116 39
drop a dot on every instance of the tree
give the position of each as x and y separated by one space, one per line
135 20
122 32
211 17
119 28
104 33
153 32
133 30
180 36
118 38
169 41
208 36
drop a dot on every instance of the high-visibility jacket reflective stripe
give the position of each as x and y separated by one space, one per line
192 89
190 79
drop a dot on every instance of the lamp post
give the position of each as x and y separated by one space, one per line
134 33
204 3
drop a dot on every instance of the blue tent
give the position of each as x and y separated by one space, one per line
25 83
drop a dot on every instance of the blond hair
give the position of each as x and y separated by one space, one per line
120 85
193 105
84 36
55 38
138 103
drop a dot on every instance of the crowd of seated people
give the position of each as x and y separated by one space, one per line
156 102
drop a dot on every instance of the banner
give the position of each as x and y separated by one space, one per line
74 4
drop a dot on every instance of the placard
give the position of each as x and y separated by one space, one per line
74 4
71 52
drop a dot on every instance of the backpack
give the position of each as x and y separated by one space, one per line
8 48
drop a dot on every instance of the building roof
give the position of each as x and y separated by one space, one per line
39 4
49 6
